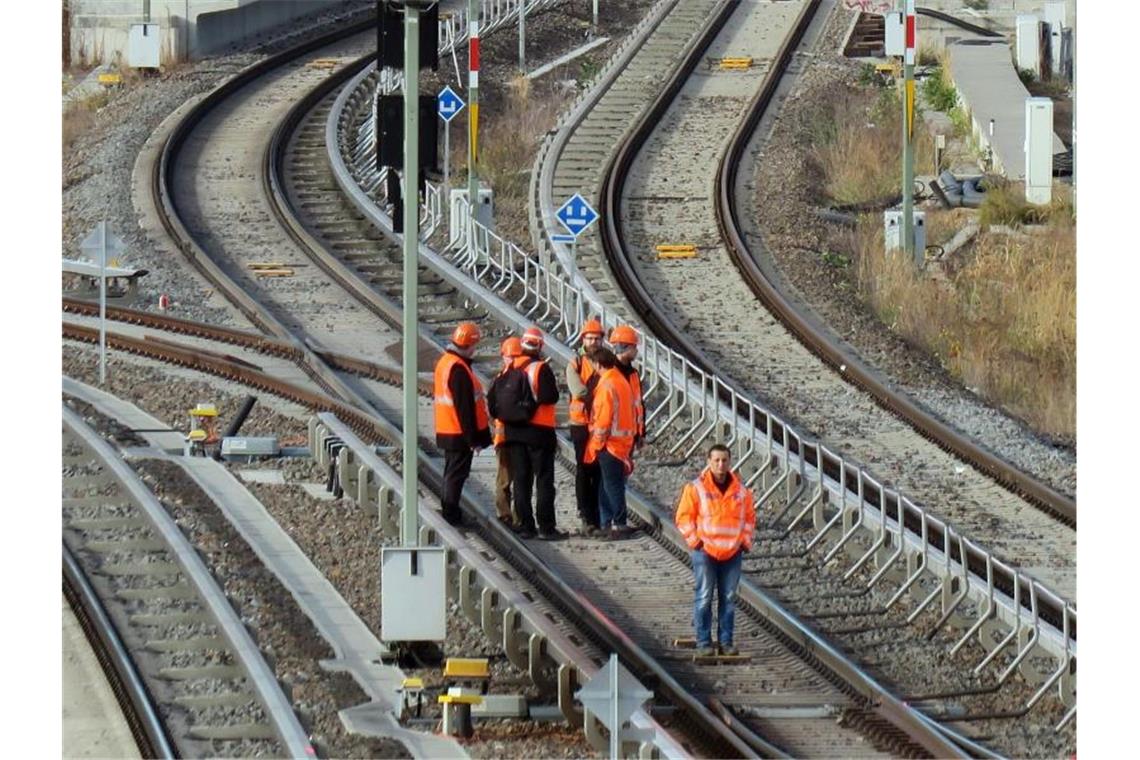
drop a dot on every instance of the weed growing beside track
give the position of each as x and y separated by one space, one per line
1003 320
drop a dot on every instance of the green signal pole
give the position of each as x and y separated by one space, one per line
409 519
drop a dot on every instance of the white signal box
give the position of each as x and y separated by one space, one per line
895 40
143 46
892 228
1038 150
1029 44
1054 14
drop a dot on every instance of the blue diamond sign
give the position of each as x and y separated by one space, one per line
576 215
449 104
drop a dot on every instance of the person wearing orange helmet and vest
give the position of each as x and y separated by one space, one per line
462 424
581 378
510 350
531 445
717 519
613 426
624 340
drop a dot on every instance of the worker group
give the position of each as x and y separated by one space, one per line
516 415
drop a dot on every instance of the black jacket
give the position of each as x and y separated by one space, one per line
536 435
459 383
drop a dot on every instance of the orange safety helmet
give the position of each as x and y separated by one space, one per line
592 327
623 334
532 339
511 348
466 334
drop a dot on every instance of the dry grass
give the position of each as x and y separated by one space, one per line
1004 322
855 145
80 116
507 147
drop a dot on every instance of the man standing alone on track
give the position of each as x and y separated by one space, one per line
581 378
613 426
717 518
462 424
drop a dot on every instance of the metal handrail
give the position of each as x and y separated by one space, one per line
482 259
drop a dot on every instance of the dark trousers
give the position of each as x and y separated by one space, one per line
587 477
612 492
503 484
456 468
532 469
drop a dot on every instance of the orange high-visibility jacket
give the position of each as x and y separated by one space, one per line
719 522
613 422
446 417
638 403
587 373
544 415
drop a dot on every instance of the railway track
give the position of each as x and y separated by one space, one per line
920 556
210 691
700 126
831 693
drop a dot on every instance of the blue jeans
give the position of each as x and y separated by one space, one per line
722 577
611 490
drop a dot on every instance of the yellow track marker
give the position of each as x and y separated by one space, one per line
323 63
110 79
736 64
685 251
273 272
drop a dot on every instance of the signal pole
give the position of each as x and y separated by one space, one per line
409 520
473 110
908 138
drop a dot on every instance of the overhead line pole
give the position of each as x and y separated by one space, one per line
409 519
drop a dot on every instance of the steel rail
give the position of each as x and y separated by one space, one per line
374 428
431 474
815 455
831 351
371 426
134 698
293 737
937 740
261 344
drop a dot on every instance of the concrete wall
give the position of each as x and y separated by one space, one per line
194 28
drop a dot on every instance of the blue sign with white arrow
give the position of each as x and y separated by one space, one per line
449 104
576 215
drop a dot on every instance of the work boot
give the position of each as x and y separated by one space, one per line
551 535
453 518
621 532
728 650
706 651
524 531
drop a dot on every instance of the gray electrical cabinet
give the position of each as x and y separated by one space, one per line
413 593
892 229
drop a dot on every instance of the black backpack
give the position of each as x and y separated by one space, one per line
510 398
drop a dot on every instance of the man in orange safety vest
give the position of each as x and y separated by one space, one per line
624 340
582 378
613 426
510 350
462 424
717 519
